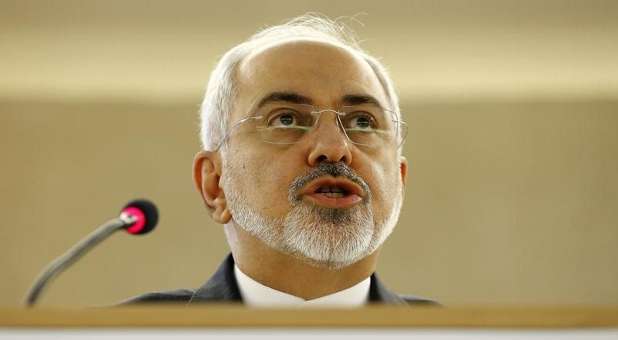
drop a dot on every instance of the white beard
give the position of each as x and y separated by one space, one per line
331 238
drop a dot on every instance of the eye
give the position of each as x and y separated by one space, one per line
286 118
360 121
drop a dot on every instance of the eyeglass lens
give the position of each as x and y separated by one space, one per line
363 125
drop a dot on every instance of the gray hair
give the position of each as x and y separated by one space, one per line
221 90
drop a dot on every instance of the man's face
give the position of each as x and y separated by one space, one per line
288 195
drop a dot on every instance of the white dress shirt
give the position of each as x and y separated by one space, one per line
255 294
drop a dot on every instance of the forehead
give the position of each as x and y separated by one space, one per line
319 70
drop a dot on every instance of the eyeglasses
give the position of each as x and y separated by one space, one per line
365 126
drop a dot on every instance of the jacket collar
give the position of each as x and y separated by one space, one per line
378 293
223 287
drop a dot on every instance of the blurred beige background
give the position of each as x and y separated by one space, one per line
513 114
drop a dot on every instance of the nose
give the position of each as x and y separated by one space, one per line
329 142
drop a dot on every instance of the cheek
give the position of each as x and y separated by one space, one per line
265 179
383 177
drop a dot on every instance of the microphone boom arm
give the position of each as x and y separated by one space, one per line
76 252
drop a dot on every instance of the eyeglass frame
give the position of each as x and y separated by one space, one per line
398 126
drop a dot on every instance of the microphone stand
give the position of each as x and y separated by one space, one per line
76 252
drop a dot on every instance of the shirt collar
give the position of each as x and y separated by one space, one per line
255 294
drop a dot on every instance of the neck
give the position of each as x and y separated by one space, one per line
290 274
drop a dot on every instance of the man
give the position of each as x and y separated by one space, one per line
302 164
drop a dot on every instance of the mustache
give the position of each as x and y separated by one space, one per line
338 169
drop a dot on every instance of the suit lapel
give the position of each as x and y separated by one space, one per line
222 286
378 293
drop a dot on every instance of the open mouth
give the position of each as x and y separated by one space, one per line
333 192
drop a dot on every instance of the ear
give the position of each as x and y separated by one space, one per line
206 176
403 169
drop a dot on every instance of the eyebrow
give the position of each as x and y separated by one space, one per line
289 97
358 99
295 98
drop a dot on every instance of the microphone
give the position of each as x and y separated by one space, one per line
138 217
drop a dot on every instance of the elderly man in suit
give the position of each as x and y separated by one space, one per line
302 164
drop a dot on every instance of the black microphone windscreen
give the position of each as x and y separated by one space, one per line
146 213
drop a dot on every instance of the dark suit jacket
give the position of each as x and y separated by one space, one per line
223 288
